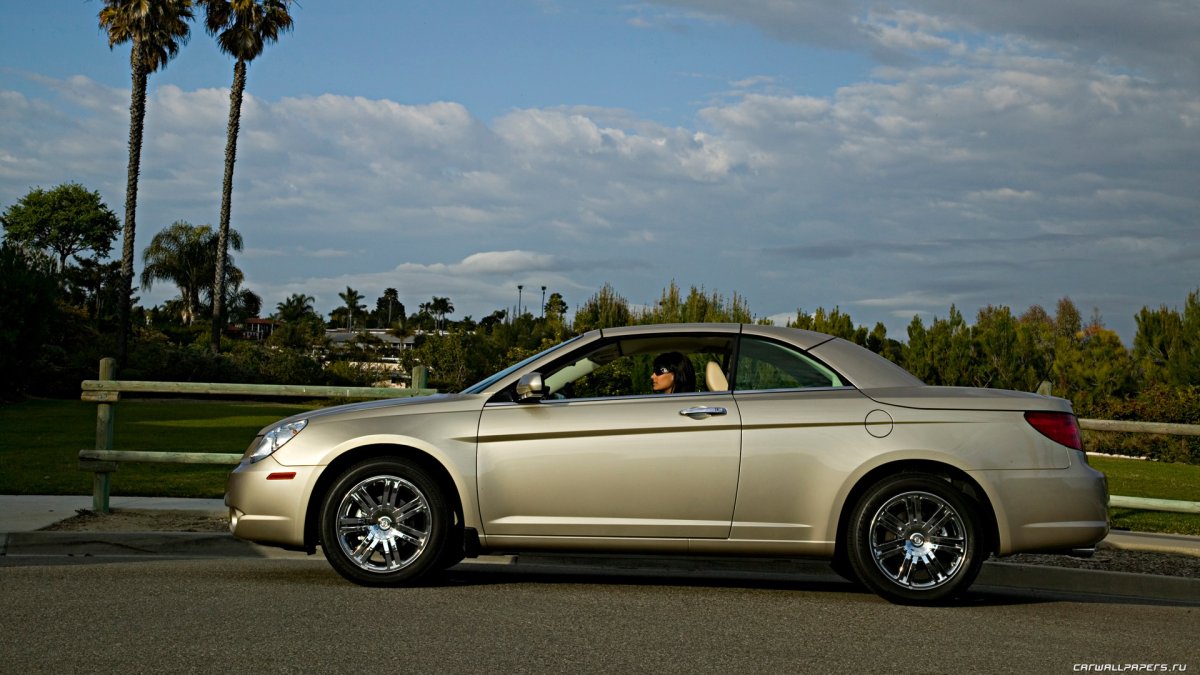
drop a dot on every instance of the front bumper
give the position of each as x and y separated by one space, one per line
268 502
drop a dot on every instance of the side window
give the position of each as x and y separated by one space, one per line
762 364
625 367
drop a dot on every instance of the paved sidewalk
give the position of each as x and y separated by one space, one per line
27 513
22 516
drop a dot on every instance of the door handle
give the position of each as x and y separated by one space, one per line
701 412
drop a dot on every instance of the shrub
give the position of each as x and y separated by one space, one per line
28 316
1157 403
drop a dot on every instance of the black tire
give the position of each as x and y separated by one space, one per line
915 539
385 522
455 549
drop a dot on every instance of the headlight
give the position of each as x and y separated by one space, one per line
274 439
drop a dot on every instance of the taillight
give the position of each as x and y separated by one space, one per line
1059 427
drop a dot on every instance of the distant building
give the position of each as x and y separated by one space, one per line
377 350
252 329
384 341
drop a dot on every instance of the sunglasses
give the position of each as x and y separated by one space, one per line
661 370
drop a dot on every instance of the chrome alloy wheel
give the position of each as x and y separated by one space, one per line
383 524
918 540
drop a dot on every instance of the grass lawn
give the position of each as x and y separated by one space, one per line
40 442
1161 480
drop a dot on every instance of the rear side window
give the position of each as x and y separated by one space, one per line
763 364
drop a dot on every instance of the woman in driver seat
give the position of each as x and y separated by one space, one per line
672 374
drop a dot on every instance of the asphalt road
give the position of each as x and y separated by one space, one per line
243 615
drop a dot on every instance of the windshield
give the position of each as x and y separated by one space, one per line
489 381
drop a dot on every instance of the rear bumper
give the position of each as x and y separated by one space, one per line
266 506
1048 510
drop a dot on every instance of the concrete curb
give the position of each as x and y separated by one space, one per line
1015 576
995 574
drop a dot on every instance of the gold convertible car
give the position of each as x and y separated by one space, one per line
690 439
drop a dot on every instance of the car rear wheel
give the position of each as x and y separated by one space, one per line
384 522
915 539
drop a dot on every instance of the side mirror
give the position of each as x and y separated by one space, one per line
530 388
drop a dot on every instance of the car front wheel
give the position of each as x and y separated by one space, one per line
915 539
384 522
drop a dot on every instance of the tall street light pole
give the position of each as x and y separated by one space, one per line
520 287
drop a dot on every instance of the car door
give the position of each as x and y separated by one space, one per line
661 466
804 430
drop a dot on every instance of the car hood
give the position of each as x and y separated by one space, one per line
965 398
392 406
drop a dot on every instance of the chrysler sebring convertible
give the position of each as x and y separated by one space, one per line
696 439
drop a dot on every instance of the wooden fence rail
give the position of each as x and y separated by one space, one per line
1126 426
103 460
106 391
1140 427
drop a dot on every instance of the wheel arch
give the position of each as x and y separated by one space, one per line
957 477
347 459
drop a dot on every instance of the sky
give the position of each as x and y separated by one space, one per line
888 159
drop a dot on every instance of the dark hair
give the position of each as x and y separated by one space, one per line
681 367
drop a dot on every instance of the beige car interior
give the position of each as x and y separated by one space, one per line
714 377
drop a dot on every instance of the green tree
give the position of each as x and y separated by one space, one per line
556 307
388 306
1093 368
243 28
879 342
1068 322
448 359
836 323
28 313
243 303
65 220
93 285
493 320
1155 341
185 255
554 323
697 307
156 29
440 307
299 324
998 359
295 307
351 307
1185 365
1035 337
605 309
1167 344
941 353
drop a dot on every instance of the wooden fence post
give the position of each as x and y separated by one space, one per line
105 418
420 377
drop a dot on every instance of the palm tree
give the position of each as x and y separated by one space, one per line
243 303
295 307
185 255
391 296
441 307
352 298
156 29
242 28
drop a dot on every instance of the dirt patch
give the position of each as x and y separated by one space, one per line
1118 560
142 520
